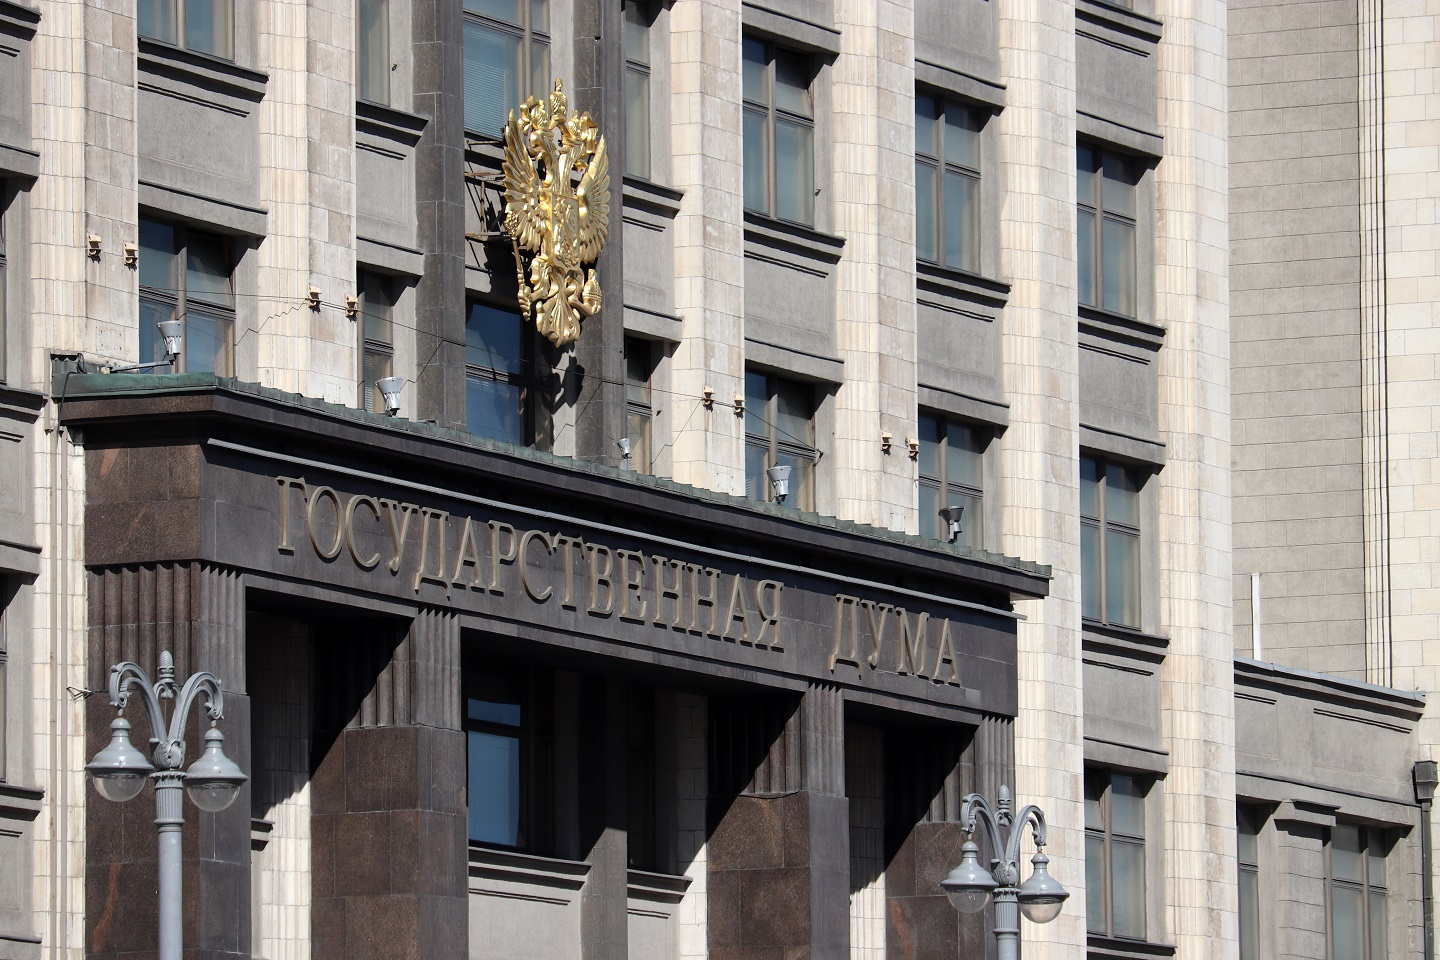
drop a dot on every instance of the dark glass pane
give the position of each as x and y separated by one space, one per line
541 81
1127 806
972 525
492 70
1122 495
1118 185
375 366
962 221
157 256
757 412
1118 255
1087 164
792 84
963 456
374 54
926 244
753 71
1347 923
637 123
507 10
207 270
927 113
1249 885
802 480
757 161
209 341
3 297
1374 858
1089 488
1127 889
209 27
540 15
1345 861
794 412
757 485
156 19
494 788
962 136
930 523
1085 257
1122 577
1090 582
927 430
637 32
152 345
637 371
1247 836
492 409
794 172
1095 906
1378 921
493 339
504 712
638 430
377 309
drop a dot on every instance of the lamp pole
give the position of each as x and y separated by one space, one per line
970 886
119 771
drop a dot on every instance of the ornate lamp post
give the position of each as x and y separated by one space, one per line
970 886
119 770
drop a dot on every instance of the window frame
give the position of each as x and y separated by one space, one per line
177 13
950 491
941 166
535 737
1132 166
1366 887
774 446
179 300
772 117
1103 524
380 14
640 403
1109 838
4 283
370 398
1248 823
523 379
641 71
528 37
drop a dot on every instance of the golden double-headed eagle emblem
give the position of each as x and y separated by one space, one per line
562 224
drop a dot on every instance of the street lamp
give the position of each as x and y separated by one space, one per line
970 886
119 770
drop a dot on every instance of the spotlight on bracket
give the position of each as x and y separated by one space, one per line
173 332
390 388
779 482
952 515
624 444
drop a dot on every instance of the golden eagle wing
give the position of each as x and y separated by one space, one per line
524 216
593 195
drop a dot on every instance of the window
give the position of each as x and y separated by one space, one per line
1355 892
1109 543
1247 823
497 375
186 275
947 183
780 431
1105 228
205 26
642 825
639 408
507 58
373 59
950 475
779 133
377 337
637 89
509 744
1114 855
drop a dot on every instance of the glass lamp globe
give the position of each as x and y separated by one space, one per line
968 886
213 780
1041 896
119 770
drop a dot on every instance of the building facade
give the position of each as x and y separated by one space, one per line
506 686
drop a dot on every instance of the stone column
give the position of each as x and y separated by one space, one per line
1192 256
779 851
874 171
1039 450
388 817
706 146
197 613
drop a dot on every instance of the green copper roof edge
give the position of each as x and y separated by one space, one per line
78 386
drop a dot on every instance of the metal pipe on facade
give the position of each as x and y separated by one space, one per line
1426 776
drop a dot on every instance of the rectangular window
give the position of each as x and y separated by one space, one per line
498 379
509 742
779 134
639 405
637 88
377 337
185 275
204 26
507 58
951 458
1114 854
1105 229
643 848
1247 822
947 183
373 58
780 431
1355 892
1110 542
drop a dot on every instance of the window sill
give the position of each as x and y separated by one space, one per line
20 14
658 887
201 68
960 283
1109 947
1095 635
793 238
379 120
1131 22
1116 326
502 864
651 197
19 802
